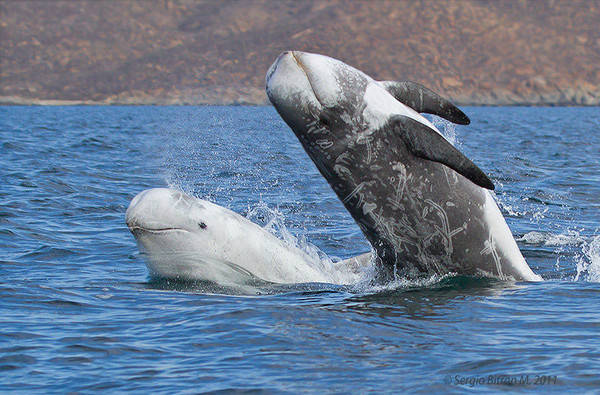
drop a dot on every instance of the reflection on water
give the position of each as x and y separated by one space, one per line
428 302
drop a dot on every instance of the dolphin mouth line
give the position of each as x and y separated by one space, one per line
302 67
155 230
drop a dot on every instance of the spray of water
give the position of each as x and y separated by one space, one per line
183 151
588 262
447 128
273 220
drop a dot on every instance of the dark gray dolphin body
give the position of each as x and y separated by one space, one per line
423 205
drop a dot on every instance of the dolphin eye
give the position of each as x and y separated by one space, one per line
202 225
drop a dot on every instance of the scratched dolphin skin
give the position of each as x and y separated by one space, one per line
424 206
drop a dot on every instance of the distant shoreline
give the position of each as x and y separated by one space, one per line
482 101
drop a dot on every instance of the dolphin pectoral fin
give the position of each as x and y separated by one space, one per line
426 143
422 99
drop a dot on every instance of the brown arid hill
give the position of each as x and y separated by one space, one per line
177 52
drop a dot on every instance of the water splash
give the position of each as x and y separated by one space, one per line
361 277
588 263
336 269
584 250
572 237
367 286
447 128
233 177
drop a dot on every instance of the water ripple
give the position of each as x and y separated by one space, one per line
80 314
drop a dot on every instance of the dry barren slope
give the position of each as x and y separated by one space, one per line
475 51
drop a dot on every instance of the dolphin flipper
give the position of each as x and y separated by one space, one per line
426 143
422 99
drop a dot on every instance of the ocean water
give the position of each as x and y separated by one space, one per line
78 312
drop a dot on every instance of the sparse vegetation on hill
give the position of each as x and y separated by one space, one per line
142 52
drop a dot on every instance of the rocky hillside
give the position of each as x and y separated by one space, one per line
217 51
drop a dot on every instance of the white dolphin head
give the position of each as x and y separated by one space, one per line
323 99
314 83
184 237
162 210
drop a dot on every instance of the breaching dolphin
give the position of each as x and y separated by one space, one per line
186 238
424 206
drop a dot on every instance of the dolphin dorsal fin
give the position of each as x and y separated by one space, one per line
426 143
422 99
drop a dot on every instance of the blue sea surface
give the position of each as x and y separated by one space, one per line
79 313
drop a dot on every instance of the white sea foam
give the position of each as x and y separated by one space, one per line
585 250
400 283
571 237
513 208
588 263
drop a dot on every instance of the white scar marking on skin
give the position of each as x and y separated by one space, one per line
324 143
490 248
365 138
445 221
315 127
368 207
342 170
458 230
355 192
